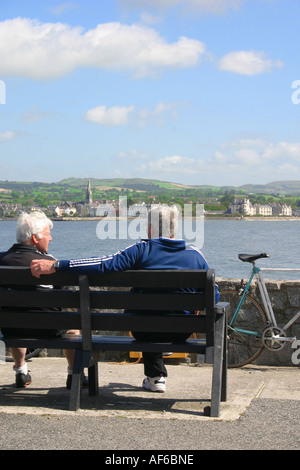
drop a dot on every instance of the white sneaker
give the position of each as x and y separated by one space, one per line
155 384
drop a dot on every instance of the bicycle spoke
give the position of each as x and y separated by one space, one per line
245 335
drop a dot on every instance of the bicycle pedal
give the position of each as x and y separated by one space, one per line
290 340
281 338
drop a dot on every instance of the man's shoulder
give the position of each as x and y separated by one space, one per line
22 255
197 250
43 255
194 247
4 255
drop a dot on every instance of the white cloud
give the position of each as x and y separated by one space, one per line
256 160
114 116
236 162
35 114
7 135
173 164
119 115
248 62
150 19
62 7
158 114
261 152
48 50
131 155
215 6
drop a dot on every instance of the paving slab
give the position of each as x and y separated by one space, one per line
121 394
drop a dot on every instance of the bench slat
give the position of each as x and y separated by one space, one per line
105 321
139 278
107 343
105 299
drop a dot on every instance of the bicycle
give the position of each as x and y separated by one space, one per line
29 354
251 327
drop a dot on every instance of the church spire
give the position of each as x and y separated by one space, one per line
89 198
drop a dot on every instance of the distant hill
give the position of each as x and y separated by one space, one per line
141 184
282 188
276 187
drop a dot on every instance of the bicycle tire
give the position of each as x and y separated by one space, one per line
33 353
243 347
29 354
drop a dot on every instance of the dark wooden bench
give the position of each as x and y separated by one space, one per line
97 302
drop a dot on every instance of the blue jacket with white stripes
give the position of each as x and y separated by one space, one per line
155 253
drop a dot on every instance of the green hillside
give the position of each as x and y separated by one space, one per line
14 195
130 183
276 188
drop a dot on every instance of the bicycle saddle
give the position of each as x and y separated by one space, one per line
250 258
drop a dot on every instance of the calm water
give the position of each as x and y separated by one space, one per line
223 240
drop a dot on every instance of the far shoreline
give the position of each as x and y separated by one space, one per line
207 217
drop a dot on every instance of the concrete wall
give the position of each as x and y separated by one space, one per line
285 299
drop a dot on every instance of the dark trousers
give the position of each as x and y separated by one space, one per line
153 361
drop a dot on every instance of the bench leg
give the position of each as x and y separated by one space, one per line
224 365
219 369
76 386
81 360
93 375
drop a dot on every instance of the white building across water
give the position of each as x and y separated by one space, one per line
245 207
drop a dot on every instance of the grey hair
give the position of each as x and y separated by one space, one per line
164 221
31 224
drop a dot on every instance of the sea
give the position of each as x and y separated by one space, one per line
221 242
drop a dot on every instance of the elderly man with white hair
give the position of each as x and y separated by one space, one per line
33 235
160 251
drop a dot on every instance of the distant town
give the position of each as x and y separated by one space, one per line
77 200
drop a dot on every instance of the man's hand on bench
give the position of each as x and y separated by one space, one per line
42 266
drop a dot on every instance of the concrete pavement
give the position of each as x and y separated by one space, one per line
187 392
262 410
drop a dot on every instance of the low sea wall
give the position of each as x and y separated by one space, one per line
285 299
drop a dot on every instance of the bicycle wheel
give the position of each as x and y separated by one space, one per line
29 353
33 352
245 335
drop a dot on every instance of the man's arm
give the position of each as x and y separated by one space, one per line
121 261
42 266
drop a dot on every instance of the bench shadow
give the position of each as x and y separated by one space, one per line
114 397
38 397
125 397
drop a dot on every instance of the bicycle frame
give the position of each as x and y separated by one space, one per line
252 274
266 299
256 272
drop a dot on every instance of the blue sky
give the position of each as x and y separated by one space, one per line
189 91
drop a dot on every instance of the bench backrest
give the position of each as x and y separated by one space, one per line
89 295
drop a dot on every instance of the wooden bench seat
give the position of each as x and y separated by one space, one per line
97 303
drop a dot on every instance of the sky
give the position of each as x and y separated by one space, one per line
196 92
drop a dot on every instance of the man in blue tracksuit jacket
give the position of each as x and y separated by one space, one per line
160 251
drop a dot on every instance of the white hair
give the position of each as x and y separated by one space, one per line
164 221
31 224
